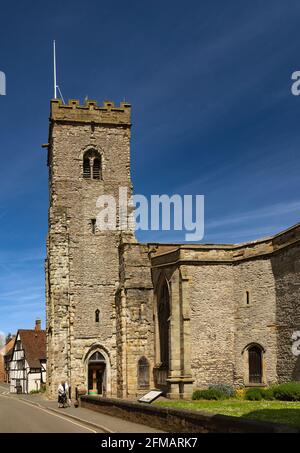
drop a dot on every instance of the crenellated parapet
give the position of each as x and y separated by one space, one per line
90 112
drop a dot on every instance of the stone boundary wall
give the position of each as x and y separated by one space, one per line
174 420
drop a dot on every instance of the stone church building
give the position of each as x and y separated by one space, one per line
124 317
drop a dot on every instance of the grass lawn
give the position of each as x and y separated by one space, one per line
284 412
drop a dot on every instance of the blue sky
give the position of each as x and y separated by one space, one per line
213 114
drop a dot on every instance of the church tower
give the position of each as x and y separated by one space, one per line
88 156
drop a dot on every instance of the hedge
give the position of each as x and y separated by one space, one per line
209 394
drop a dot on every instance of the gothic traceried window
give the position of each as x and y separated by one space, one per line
143 373
97 357
92 165
163 325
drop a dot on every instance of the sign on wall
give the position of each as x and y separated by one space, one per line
150 396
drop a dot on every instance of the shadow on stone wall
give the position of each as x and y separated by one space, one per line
176 420
285 267
289 417
296 372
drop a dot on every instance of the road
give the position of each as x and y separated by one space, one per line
17 416
27 414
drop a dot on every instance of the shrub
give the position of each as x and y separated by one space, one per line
240 393
287 392
268 393
209 394
254 394
227 390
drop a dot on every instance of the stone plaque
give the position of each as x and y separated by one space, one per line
150 396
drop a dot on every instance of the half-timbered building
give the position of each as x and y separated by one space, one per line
27 369
5 355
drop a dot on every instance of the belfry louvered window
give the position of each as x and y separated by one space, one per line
96 168
86 168
92 165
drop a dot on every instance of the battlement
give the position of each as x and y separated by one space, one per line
90 112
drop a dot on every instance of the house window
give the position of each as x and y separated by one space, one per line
20 364
143 373
255 364
92 165
18 345
97 315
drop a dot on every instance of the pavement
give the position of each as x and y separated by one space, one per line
36 414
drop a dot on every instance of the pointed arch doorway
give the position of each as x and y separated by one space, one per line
97 374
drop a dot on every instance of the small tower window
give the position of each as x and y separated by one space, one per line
93 225
92 165
97 315
247 298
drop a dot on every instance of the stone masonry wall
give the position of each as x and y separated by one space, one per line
57 300
286 269
255 322
224 322
223 325
135 331
83 266
212 323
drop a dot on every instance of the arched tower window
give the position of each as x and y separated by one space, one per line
92 165
97 315
143 373
255 358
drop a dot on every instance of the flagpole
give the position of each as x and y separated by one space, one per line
54 70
